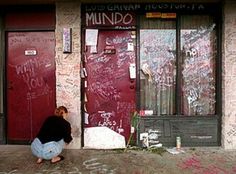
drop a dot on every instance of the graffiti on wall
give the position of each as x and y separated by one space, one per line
109 19
68 66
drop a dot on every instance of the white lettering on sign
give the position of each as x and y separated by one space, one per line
114 18
30 52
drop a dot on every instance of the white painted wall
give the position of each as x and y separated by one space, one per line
68 66
229 76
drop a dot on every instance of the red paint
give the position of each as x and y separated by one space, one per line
196 166
212 169
189 163
110 91
234 169
30 82
27 20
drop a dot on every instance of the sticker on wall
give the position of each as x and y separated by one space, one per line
130 46
85 72
30 52
91 37
132 71
82 73
85 57
67 40
133 34
144 139
86 118
145 112
93 49
153 15
148 112
161 15
85 98
168 15
85 108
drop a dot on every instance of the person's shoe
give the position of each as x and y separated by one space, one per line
59 158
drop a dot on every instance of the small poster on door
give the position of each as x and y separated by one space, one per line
30 52
130 47
93 49
86 118
91 37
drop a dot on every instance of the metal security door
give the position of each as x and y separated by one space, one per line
30 83
110 82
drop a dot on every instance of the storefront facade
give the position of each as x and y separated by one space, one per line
173 63
174 49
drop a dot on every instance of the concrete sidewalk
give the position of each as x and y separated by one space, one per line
17 159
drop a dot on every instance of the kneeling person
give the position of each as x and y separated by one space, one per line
53 135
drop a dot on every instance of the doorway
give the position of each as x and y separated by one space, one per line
110 81
30 83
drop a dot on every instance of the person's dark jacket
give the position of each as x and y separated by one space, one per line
55 128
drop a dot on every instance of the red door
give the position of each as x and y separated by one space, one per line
30 82
110 92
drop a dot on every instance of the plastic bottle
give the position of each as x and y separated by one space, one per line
178 142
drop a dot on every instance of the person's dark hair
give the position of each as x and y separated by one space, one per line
60 110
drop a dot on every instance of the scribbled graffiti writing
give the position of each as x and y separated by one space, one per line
96 167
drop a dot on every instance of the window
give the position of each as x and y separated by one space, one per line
178 77
198 48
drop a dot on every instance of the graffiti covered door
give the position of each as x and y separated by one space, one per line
30 83
110 82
